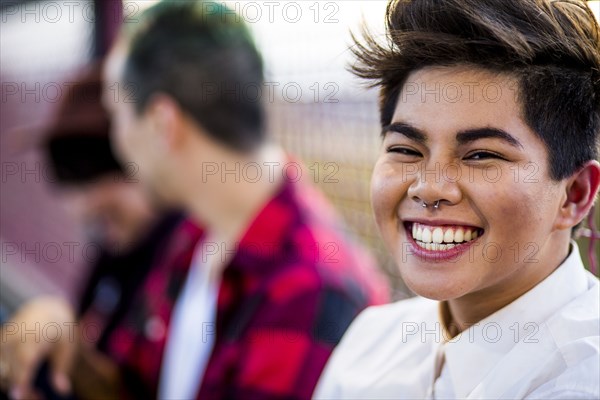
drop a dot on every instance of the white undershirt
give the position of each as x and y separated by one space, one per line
192 333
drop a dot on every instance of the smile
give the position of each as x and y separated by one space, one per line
442 238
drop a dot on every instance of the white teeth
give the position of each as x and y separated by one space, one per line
441 238
436 246
459 235
449 236
426 237
467 235
438 235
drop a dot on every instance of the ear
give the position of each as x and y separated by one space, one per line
166 120
581 190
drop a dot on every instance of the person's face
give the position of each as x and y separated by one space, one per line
487 169
133 135
111 210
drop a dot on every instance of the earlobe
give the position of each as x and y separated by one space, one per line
581 192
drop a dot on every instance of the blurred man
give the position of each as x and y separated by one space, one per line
274 283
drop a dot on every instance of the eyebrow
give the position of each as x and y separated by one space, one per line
462 137
407 130
472 135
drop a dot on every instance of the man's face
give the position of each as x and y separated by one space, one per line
133 135
457 137
111 210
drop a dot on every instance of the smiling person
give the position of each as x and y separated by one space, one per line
491 116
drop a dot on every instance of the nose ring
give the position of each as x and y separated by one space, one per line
436 205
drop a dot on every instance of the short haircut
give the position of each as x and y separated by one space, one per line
551 48
201 54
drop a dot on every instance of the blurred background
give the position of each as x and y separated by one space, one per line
317 110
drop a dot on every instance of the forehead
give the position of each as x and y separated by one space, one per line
115 61
446 97
459 84
112 72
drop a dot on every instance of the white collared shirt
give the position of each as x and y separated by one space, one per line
545 344
191 333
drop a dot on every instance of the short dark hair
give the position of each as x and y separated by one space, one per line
202 54
551 47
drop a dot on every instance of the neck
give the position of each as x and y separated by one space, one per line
228 203
476 306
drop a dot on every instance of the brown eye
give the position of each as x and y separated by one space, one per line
483 155
403 150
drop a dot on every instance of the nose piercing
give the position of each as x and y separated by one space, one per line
436 205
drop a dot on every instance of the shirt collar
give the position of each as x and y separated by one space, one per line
471 355
264 242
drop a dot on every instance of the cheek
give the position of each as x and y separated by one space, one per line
387 190
519 205
120 142
126 132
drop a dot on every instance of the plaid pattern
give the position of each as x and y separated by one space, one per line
115 279
138 343
293 287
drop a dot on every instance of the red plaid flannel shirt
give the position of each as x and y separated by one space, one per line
294 285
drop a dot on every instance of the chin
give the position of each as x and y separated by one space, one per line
435 293
434 284
161 195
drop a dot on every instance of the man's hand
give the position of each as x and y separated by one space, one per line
43 328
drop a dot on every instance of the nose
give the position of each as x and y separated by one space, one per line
436 184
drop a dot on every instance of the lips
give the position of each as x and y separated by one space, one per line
442 237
